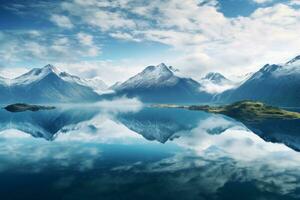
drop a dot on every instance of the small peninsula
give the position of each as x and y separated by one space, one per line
243 110
21 107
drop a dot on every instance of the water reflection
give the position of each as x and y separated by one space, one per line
279 131
136 152
44 123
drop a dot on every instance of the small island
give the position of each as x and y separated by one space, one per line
243 110
21 107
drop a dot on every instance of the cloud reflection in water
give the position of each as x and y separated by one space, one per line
203 155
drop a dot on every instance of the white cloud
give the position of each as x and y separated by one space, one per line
124 36
44 47
205 39
108 71
61 21
85 38
213 88
94 14
262 1
12 72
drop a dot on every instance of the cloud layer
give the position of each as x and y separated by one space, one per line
199 37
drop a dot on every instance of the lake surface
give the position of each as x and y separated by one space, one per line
136 152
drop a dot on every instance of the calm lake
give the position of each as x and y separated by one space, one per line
131 152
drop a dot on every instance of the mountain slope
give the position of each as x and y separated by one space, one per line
273 84
47 85
160 84
216 78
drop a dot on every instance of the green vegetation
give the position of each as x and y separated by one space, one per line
245 111
21 107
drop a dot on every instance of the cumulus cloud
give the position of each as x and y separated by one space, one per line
85 38
108 70
262 1
44 47
205 38
62 21
198 31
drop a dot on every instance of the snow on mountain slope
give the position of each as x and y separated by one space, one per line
151 76
159 84
97 84
39 73
49 84
216 78
34 75
276 84
292 67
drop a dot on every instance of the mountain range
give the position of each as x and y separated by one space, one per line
46 85
274 84
160 84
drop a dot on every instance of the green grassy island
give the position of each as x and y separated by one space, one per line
243 110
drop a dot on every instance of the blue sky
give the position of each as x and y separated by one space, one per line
116 39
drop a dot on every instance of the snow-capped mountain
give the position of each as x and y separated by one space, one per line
160 84
34 75
276 84
215 82
47 84
216 78
39 73
152 76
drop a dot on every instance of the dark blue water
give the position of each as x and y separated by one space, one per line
148 153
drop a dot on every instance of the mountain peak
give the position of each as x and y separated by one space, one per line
215 77
36 74
270 68
159 70
162 65
151 76
51 68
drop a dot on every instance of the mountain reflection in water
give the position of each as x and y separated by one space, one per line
149 153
